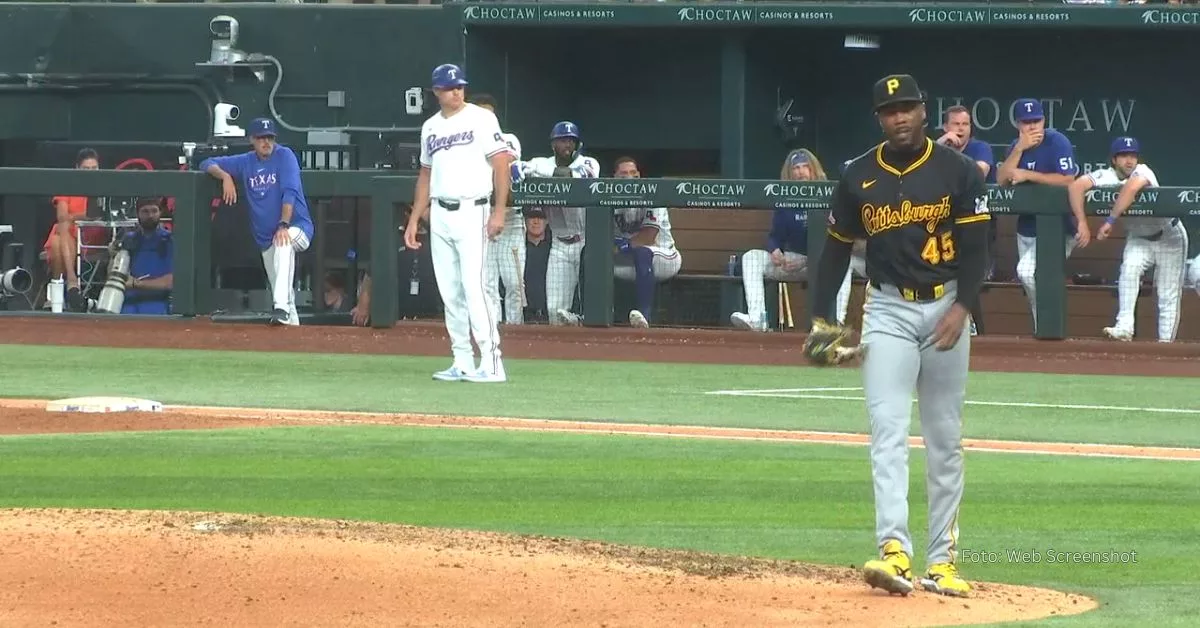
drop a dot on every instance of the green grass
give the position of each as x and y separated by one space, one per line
603 391
796 501
803 502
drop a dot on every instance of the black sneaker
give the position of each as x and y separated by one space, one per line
75 300
279 317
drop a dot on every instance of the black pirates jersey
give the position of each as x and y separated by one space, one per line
908 212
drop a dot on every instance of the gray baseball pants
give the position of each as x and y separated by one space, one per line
900 358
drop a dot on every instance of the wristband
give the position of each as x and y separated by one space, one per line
282 225
1112 220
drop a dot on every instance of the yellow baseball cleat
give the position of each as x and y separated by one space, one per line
943 578
893 572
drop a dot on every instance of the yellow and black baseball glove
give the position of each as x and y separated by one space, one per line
826 344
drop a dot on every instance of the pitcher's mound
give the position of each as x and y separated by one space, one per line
121 568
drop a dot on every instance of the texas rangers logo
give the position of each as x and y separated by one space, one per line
434 143
260 182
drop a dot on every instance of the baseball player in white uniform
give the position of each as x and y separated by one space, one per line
566 223
1158 242
506 256
644 247
463 185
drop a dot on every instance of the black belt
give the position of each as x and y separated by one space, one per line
452 206
570 239
918 294
1157 236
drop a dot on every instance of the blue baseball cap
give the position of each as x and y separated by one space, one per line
1124 145
798 159
1028 109
260 127
448 76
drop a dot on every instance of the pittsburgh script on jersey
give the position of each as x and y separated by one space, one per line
434 143
878 219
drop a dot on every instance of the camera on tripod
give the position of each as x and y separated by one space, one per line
14 280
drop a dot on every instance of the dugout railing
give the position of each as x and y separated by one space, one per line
193 193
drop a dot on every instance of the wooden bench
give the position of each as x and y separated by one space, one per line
707 237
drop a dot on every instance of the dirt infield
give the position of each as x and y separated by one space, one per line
77 568
989 353
139 568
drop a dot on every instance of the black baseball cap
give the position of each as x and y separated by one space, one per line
534 212
896 88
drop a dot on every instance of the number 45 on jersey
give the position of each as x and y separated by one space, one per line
938 248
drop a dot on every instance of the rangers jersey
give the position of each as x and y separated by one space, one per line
1134 226
631 220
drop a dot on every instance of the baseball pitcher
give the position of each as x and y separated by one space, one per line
506 256
1039 155
645 249
1161 243
270 176
463 186
922 208
566 223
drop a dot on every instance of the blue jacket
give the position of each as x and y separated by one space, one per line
267 184
979 150
150 255
1054 155
789 231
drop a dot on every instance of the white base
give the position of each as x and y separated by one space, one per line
103 404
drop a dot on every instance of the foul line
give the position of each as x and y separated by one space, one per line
803 393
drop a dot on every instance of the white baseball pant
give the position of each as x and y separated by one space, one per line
858 265
1168 256
506 263
1027 267
757 267
458 244
562 275
1193 274
280 264
666 264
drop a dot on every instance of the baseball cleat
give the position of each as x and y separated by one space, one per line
892 572
452 374
279 317
943 578
484 376
568 318
1113 333
742 320
637 319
